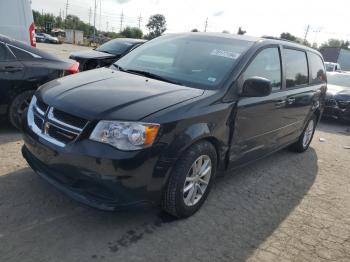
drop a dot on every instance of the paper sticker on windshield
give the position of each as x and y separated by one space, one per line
212 79
223 53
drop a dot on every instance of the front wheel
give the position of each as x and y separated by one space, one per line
18 106
306 137
191 180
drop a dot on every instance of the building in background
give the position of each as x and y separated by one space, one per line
75 37
337 55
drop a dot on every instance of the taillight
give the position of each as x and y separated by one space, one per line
73 69
32 35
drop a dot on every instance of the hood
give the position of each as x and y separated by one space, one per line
334 90
89 54
113 95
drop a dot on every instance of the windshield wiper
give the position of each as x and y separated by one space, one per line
150 75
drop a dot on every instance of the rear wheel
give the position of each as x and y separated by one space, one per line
306 137
191 180
19 106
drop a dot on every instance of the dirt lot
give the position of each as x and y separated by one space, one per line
62 50
288 207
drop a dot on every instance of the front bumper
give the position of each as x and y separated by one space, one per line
337 112
96 174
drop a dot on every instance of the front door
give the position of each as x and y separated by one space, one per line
259 121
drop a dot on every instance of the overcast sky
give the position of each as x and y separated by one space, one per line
328 19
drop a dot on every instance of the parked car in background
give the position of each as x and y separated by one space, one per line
16 20
106 54
46 38
158 124
332 67
338 96
22 70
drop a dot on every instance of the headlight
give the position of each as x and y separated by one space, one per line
125 135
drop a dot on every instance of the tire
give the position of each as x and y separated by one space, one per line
305 138
18 106
177 200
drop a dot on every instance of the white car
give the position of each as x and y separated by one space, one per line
332 67
16 21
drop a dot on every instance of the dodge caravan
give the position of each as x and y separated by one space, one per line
159 124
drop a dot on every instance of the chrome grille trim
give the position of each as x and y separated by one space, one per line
51 117
49 120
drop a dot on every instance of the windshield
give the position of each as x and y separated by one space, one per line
198 61
339 79
115 47
329 67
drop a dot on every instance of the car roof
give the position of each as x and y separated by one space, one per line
263 40
129 40
28 48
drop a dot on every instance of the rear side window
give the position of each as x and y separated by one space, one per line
20 54
3 53
296 68
317 69
266 64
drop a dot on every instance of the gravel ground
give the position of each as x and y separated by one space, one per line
62 50
287 207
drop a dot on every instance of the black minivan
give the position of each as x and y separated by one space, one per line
159 124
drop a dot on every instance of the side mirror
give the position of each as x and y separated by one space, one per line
256 87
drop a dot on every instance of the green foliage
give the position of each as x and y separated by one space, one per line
71 22
156 26
132 32
195 30
290 37
336 43
241 31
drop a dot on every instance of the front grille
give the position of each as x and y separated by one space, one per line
331 102
55 125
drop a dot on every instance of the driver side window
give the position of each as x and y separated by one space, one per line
266 64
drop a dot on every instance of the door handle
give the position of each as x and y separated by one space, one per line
11 69
280 103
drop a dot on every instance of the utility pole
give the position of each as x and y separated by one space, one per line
316 31
60 13
206 25
100 14
107 24
140 19
67 5
90 14
306 32
121 21
95 20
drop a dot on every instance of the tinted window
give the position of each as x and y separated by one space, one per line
296 68
266 64
21 55
198 61
115 47
317 69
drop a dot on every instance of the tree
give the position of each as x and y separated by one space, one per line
195 30
225 31
290 37
241 31
156 26
336 43
132 32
